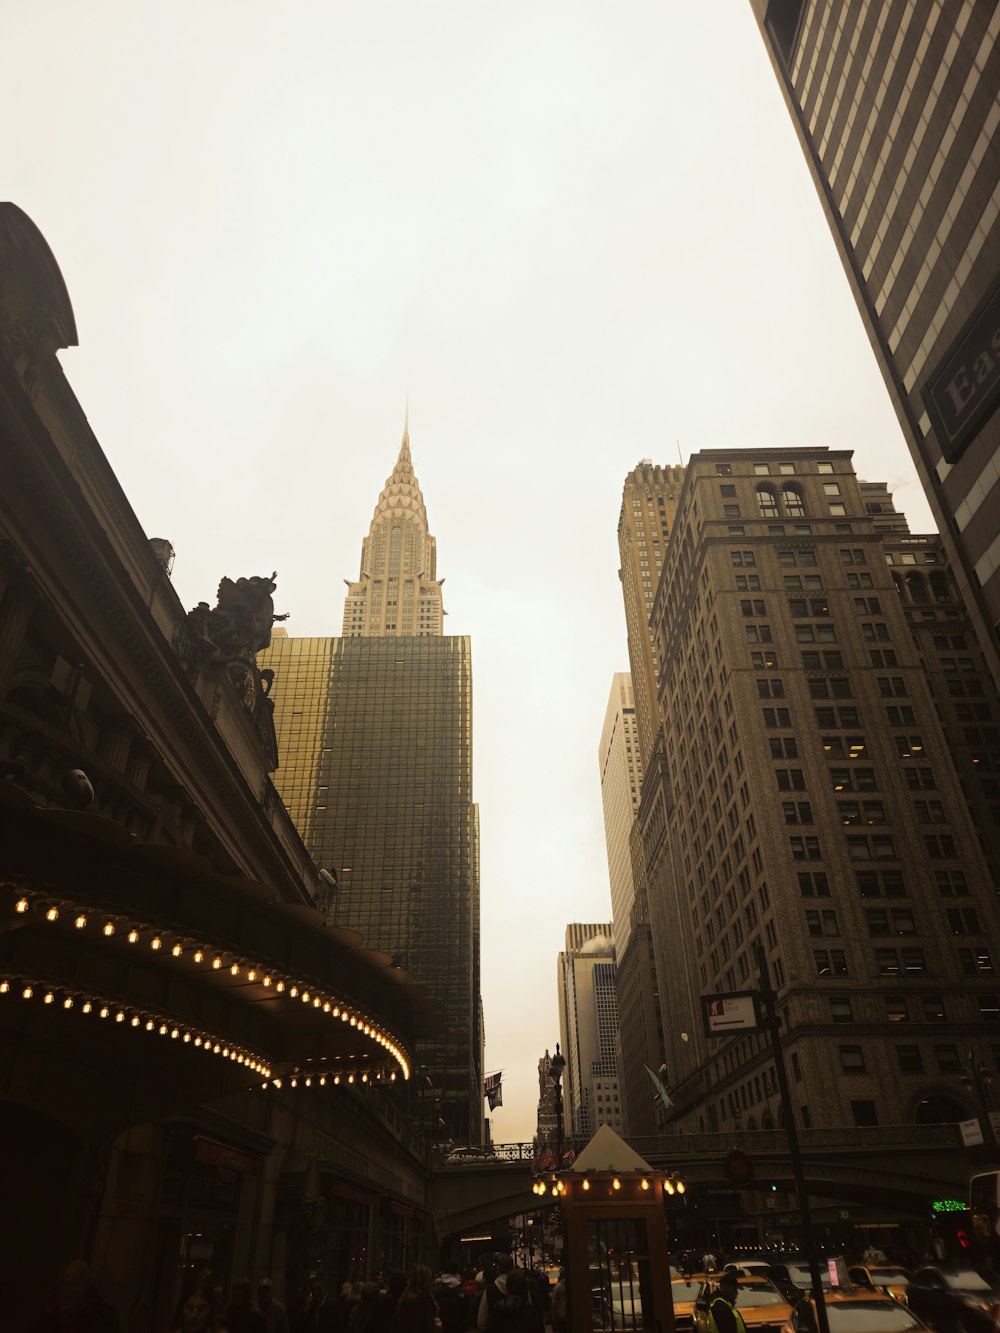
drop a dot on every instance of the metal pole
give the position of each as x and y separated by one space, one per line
769 1001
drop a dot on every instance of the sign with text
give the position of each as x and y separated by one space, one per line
971 1131
738 1011
965 388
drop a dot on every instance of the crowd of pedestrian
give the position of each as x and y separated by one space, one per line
499 1299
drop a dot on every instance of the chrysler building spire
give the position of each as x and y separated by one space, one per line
397 592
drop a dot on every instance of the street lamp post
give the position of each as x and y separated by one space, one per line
975 1075
556 1067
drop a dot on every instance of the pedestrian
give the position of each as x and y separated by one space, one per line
513 1312
196 1310
723 1314
363 1308
558 1307
416 1311
324 1313
274 1314
77 1306
385 1306
494 1289
453 1308
243 1315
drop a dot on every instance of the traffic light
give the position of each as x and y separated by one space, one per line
774 1189
737 1167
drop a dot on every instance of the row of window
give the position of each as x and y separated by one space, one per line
893 921
912 962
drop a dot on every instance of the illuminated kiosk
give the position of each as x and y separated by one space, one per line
615 1255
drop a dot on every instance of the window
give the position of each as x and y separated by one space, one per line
841 1010
963 921
852 1060
940 846
822 922
901 717
975 962
853 556
892 687
896 1009
947 1059
792 499
933 1008
824 467
797 812
790 779
830 687
875 884
813 885
731 511
919 779
909 1060
783 747
900 962
741 559
853 779
930 812
776 717
951 883
909 746
764 661
748 583
805 849
989 1008
868 606
724 469
727 491
770 689
830 962
864 1113
767 502
831 488
876 847
753 606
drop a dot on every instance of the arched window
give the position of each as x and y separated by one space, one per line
767 502
939 587
794 506
939 1109
917 587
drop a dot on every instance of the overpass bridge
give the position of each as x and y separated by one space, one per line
890 1166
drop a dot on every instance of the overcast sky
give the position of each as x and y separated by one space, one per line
575 234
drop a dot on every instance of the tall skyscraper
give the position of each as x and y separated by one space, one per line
375 744
621 779
397 593
649 503
588 1027
895 105
827 721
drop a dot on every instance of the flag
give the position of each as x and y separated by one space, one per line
492 1090
544 1160
569 1157
661 1090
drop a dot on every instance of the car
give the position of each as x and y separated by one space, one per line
749 1267
793 1278
855 1310
759 1302
685 1293
956 1297
881 1277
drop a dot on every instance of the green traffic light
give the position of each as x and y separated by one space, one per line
774 1189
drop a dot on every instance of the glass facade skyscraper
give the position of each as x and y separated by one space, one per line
375 752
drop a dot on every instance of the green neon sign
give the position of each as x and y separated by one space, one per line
948 1206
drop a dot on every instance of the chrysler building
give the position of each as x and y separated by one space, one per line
397 593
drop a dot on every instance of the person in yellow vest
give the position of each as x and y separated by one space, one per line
723 1314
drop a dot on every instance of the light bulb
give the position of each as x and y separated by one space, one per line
251 975
216 962
21 905
48 997
266 981
80 922
668 1186
645 1184
27 993
133 937
136 1021
234 971
680 1187
87 1007
109 928
336 1079
162 1029
616 1184
156 943
293 991
279 987
52 914
68 1002
176 951
4 987
175 1033
150 1025
104 1011
199 957
119 1017
586 1184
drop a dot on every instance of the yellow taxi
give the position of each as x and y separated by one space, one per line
855 1310
889 1278
759 1302
685 1293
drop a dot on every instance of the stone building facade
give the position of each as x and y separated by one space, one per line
813 803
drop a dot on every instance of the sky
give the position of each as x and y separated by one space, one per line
572 235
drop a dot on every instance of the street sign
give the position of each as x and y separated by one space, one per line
972 1132
737 1011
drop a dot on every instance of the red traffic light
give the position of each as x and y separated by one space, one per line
737 1167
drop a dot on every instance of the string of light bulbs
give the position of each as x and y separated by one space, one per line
170 943
321 1077
67 999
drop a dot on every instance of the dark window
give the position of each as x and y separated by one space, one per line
852 1059
909 1060
841 1010
947 1059
864 1112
